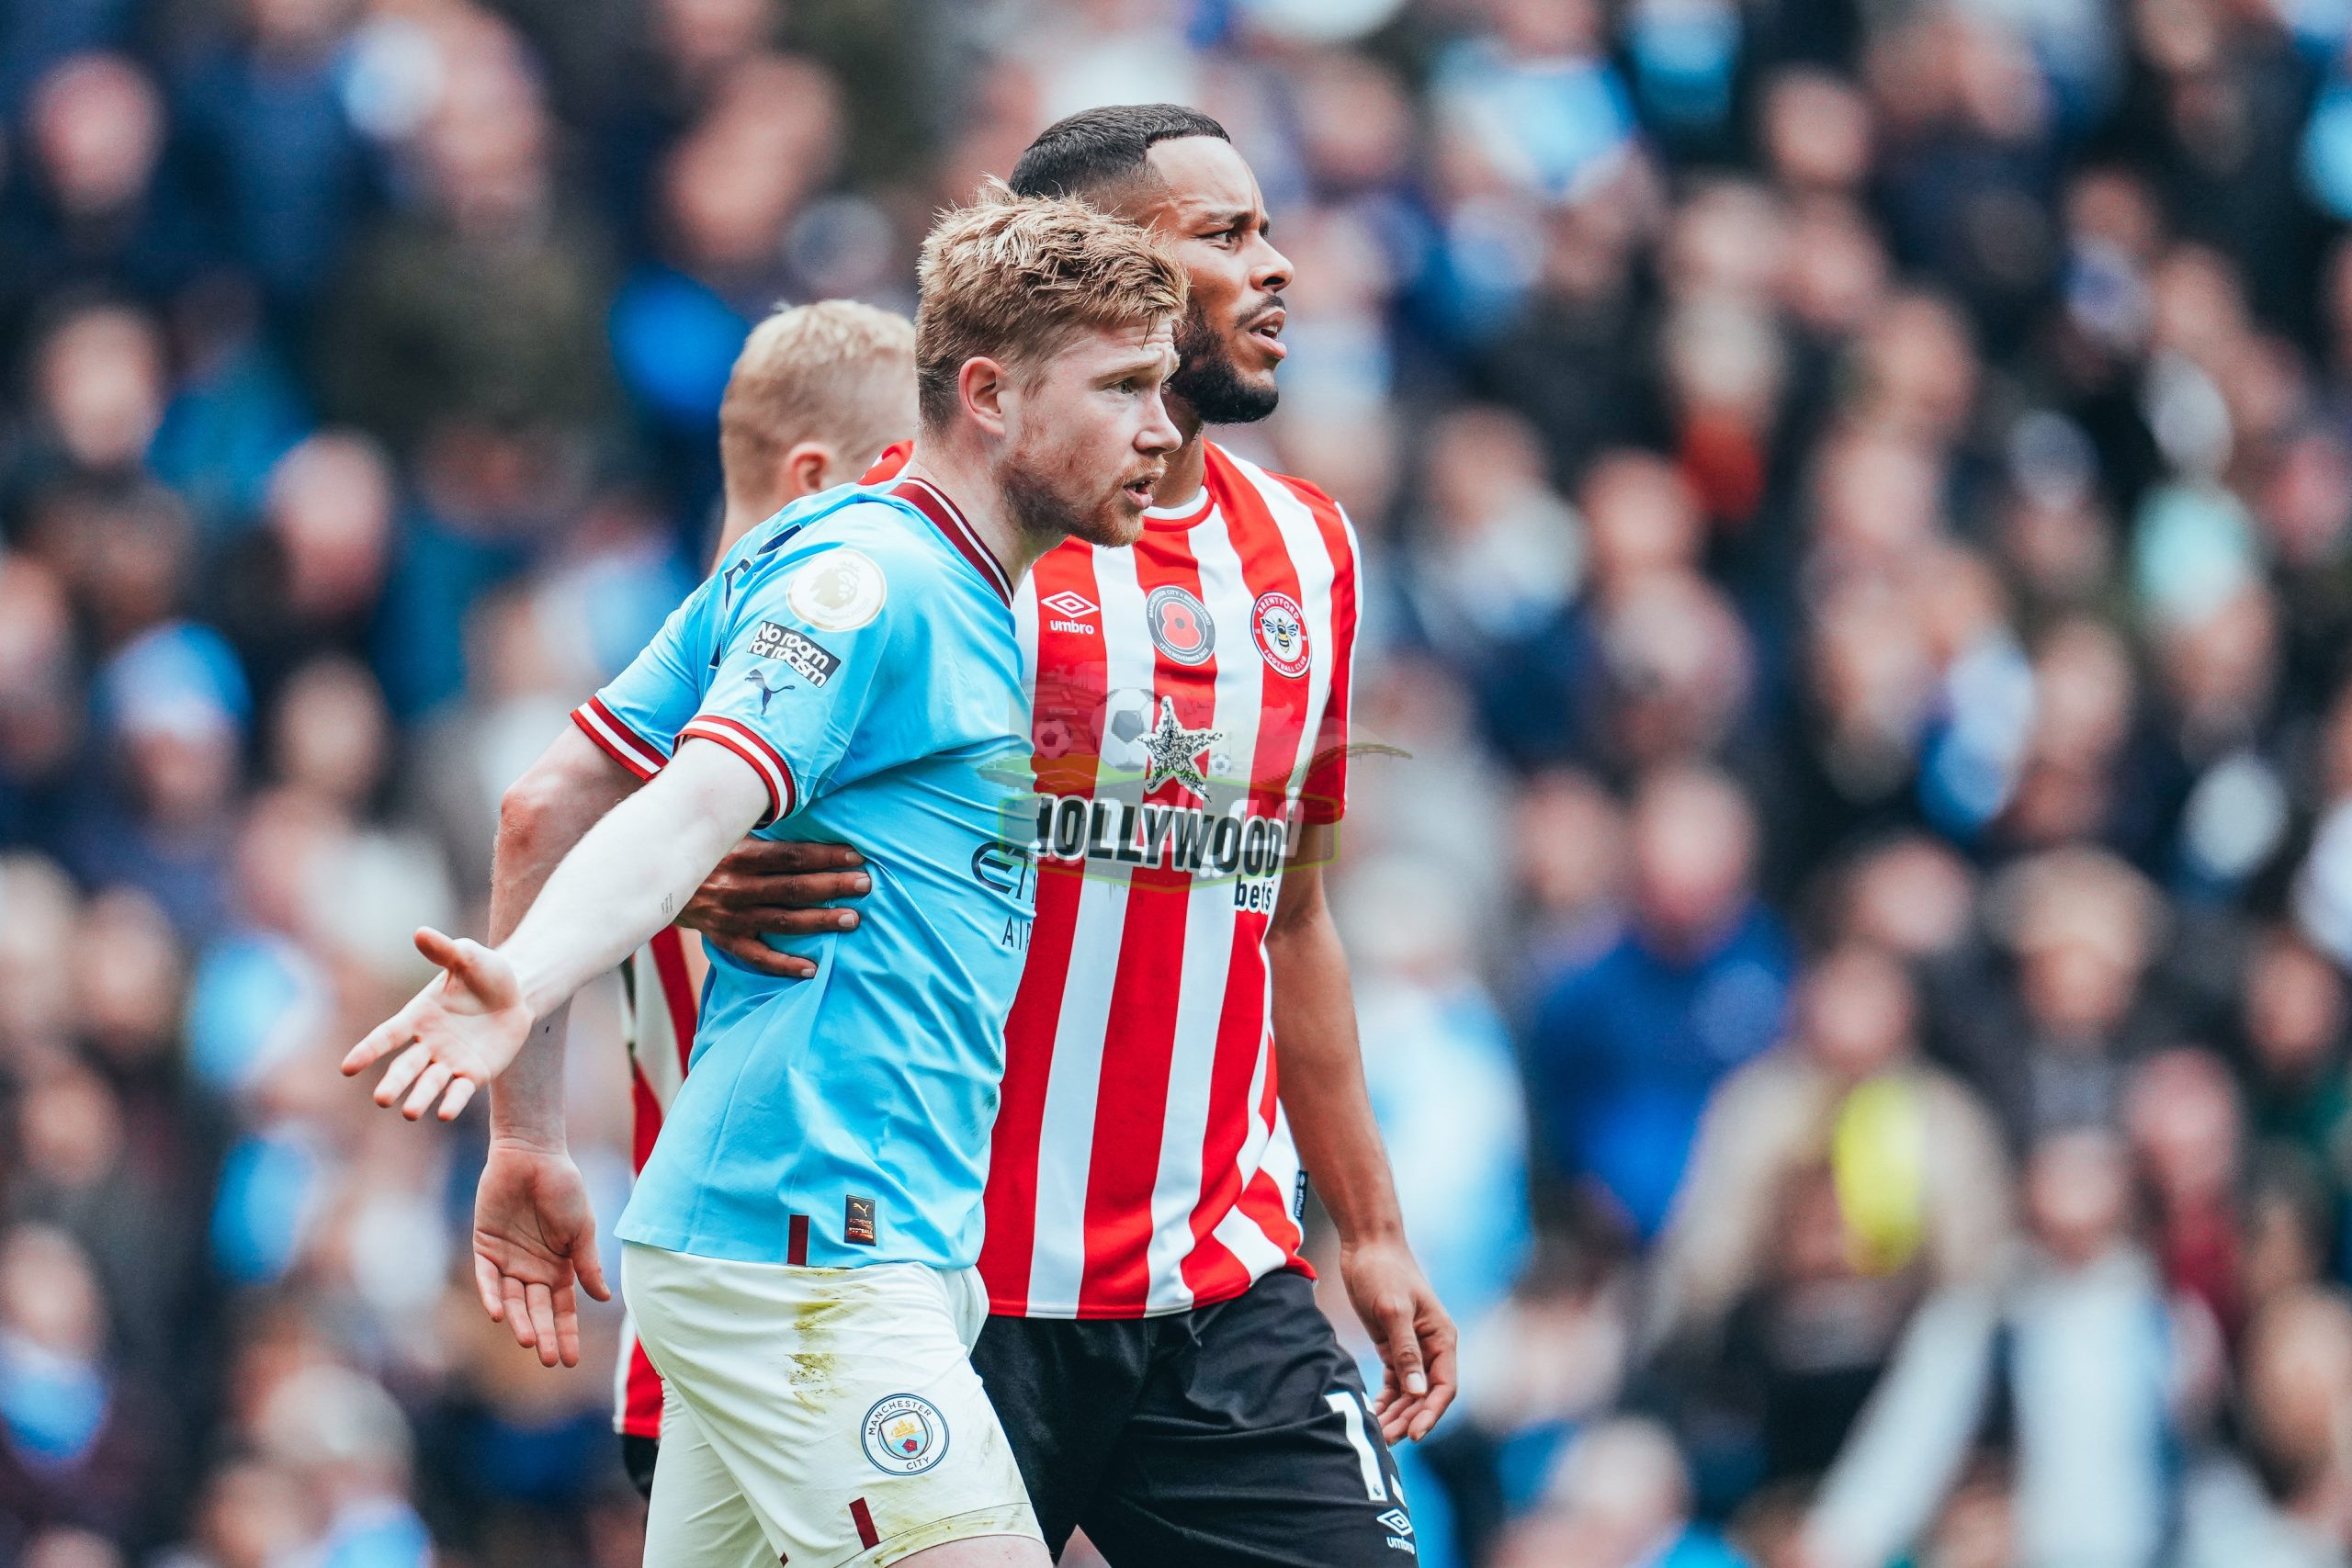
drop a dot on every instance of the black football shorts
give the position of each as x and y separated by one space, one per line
1230 1436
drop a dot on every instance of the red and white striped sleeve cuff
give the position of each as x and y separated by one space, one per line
616 740
748 744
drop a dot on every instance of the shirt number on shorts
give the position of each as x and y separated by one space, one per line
1350 1411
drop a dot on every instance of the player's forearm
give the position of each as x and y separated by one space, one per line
1321 1069
527 1100
542 816
632 873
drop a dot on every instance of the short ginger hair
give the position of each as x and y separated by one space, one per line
835 371
1013 278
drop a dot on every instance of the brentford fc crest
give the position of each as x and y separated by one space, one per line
1180 624
1281 630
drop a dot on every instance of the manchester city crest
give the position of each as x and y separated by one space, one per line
905 1435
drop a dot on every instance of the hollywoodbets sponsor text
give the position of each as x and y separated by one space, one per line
1115 836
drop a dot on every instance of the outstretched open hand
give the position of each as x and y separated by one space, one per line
459 1032
534 1232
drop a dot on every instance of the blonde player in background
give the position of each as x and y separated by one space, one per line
817 393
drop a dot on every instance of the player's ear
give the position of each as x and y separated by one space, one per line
982 384
809 467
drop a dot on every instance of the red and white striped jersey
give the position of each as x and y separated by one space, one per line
663 987
1190 711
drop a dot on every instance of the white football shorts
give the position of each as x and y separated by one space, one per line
818 1418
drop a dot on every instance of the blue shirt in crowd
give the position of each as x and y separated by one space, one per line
1625 1051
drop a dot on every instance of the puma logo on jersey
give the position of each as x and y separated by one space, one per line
760 677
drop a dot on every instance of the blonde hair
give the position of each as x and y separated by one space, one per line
835 371
1013 279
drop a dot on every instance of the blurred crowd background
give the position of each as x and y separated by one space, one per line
1852 922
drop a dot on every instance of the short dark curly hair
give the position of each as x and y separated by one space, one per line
1096 151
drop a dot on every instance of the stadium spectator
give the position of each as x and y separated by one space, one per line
1626 1046
1444 1087
467 331
41 713
728 196
97 397
2142 1372
101 209
281 163
1915 1161
80 1442
347 1440
2293 1021
2297 1387
309 581
2049 1050
1619 1499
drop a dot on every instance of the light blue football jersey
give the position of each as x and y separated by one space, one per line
858 650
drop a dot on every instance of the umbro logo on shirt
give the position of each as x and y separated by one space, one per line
1069 609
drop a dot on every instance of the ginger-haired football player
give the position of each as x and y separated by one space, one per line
799 1249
